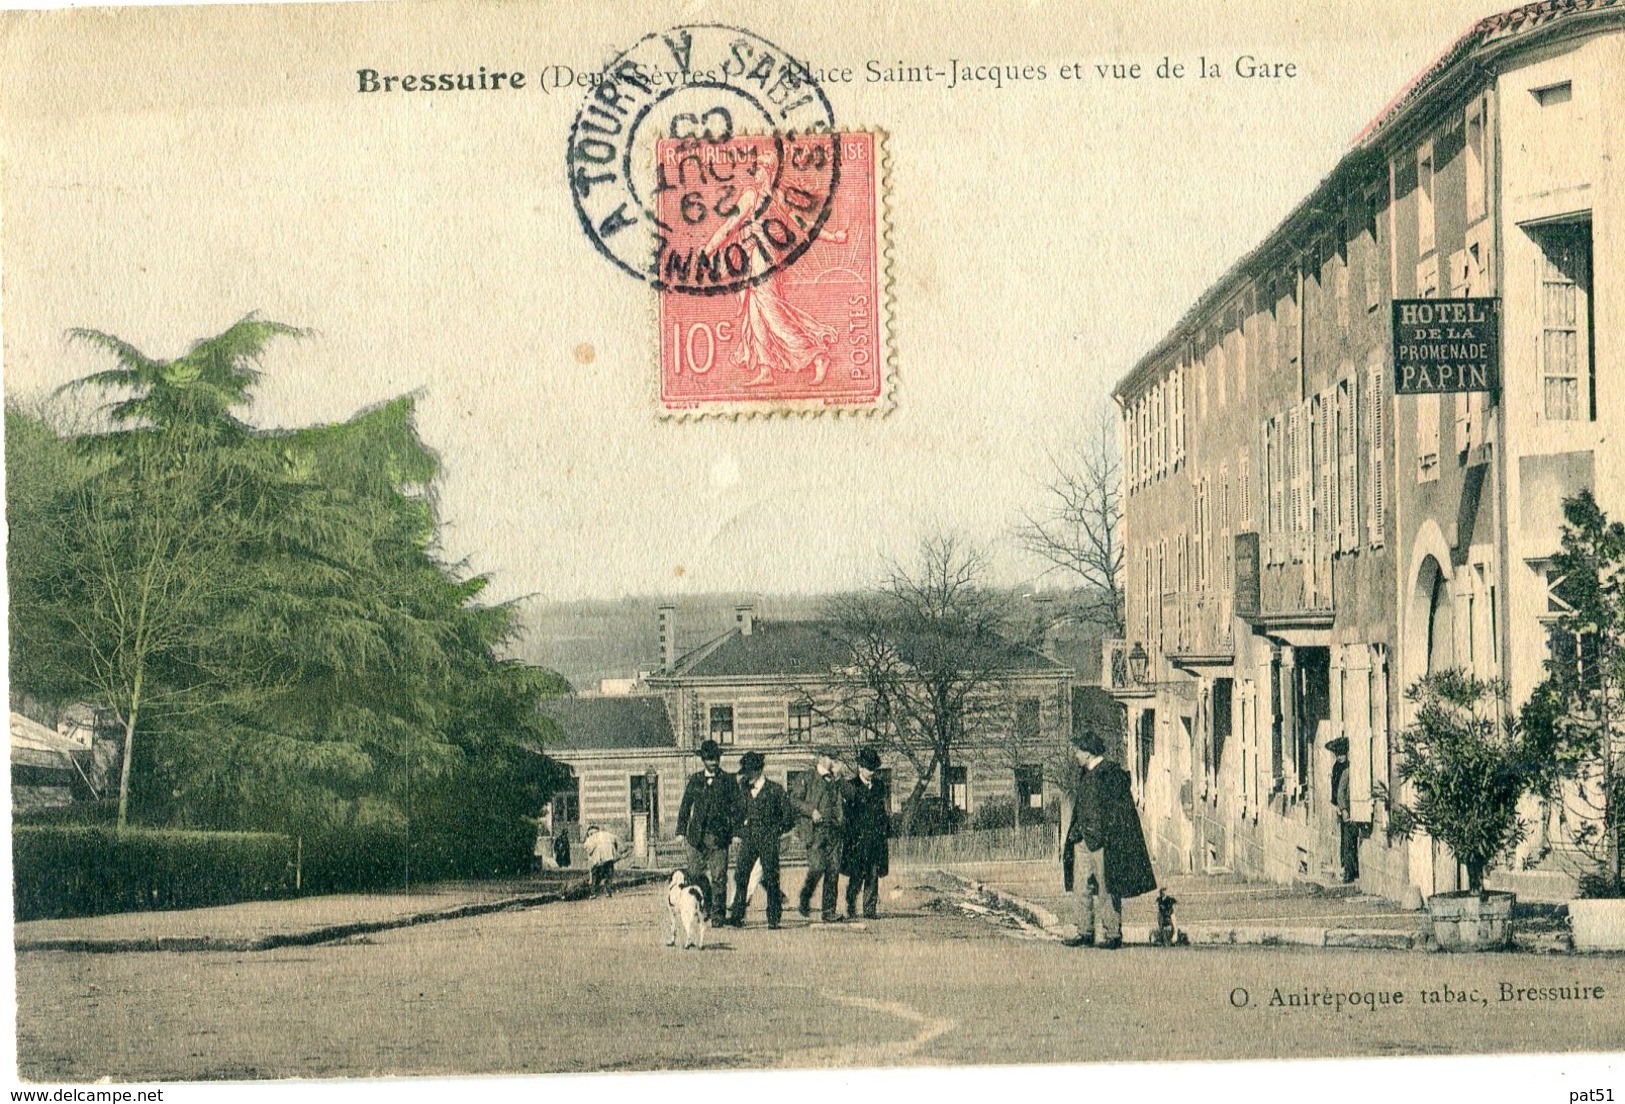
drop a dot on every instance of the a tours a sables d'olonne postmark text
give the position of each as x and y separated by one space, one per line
801 336
703 82
706 161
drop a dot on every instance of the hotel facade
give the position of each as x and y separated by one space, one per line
1302 543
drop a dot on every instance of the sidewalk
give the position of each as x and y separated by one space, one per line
299 921
1225 910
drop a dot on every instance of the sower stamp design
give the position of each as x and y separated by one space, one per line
790 337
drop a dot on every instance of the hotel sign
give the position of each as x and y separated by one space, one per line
1446 345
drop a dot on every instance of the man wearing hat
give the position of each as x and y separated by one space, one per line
766 815
864 854
1103 832
821 811
707 819
1348 842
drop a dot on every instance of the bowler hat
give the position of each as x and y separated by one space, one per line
709 750
1338 746
1087 740
869 759
751 761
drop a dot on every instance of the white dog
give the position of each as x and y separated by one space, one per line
685 912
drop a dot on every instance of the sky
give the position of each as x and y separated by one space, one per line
168 172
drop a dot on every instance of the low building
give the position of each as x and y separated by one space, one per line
1302 543
768 686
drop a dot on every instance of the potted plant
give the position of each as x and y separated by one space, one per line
1465 766
1577 717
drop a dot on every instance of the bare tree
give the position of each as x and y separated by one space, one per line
1080 527
924 660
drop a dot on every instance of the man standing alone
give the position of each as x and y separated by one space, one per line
766 817
1110 853
1348 832
707 820
821 808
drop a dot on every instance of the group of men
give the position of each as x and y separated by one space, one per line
843 822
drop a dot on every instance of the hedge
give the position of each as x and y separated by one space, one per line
85 871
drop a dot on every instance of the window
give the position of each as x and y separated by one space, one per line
1029 791
959 788
1477 178
1553 95
1375 255
567 806
1177 380
801 722
722 724
1241 349
1027 720
1563 292
1424 200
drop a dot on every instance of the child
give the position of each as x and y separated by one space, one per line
604 850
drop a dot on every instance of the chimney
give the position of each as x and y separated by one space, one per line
668 637
745 618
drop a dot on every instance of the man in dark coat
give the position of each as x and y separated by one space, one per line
1108 846
821 811
1348 832
707 819
766 816
865 857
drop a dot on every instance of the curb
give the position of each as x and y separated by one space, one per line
328 934
1204 934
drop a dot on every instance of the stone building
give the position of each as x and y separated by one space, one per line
1302 543
768 686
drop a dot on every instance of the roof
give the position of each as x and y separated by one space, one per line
602 724
34 745
1465 60
787 649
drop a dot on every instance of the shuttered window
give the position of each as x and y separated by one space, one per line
1376 449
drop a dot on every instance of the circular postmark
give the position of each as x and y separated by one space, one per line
703 159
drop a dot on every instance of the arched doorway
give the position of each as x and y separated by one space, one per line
1441 621
1432 625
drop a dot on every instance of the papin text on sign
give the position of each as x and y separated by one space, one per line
1445 345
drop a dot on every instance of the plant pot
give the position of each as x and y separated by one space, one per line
1598 924
1471 921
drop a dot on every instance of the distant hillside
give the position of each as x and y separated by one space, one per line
586 641
590 640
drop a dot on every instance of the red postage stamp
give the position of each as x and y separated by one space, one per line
770 274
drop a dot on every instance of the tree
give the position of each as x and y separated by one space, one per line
134 563
264 611
1080 528
1577 714
925 659
1468 766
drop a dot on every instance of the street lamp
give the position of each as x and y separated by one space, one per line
1137 662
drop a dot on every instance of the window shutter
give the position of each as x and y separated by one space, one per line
1326 442
1357 727
1376 406
1244 489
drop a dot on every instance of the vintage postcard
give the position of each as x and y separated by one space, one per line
984 540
